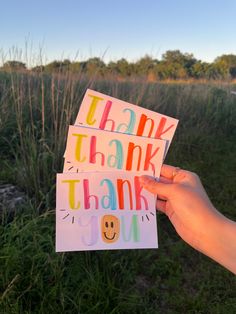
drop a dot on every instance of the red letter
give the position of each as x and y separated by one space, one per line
105 119
130 157
93 152
120 191
142 123
138 195
87 196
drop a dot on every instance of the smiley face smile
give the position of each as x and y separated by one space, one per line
110 227
112 238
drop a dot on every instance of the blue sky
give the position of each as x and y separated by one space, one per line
118 28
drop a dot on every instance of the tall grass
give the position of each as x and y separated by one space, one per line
35 112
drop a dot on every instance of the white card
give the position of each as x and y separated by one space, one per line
101 111
99 150
104 211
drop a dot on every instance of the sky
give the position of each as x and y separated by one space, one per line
113 29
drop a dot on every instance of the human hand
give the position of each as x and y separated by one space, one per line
181 196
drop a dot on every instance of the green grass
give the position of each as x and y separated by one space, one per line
35 112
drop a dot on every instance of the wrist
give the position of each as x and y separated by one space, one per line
221 242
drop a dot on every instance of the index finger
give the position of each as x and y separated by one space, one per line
168 171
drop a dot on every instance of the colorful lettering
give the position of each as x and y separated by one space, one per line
90 117
118 158
134 230
94 153
130 126
87 196
71 193
78 147
105 119
111 197
130 156
160 130
120 192
142 123
149 156
138 197
92 225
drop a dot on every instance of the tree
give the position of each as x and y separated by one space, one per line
58 66
200 69
77 66
217 71
227 62
13 66
122 68
183 62
145 65
95 66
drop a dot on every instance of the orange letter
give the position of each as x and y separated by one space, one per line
142 124
130 157
120 190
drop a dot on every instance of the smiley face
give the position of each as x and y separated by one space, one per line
110 228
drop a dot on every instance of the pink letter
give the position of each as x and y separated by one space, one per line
138 195
160 130
105 119
93 152
149 156
87 196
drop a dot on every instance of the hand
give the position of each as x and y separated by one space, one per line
181 196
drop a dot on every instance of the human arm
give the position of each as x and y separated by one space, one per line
181 196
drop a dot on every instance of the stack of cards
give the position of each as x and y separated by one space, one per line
100 204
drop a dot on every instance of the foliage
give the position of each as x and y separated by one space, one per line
35 111
174 65
13 66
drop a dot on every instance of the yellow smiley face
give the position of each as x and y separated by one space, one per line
110 228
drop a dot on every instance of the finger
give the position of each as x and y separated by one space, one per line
168 171
150 184
161 206
165 180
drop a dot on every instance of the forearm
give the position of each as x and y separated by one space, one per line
222 243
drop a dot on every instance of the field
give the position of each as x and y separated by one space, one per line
35 111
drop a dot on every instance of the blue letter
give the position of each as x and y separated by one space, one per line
130 126
118 158
111 195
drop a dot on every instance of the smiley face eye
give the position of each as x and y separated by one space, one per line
112 224
106 224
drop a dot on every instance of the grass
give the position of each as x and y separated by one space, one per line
35 111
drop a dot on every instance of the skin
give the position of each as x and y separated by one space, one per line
181 196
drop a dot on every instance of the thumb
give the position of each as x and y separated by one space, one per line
149 183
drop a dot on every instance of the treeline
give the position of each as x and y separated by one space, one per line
173 65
